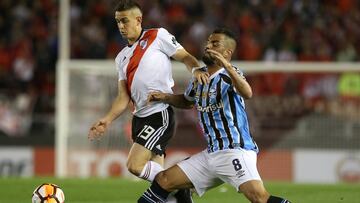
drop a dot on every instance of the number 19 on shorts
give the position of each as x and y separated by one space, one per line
146 132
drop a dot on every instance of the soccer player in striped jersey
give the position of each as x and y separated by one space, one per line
144 66
231 153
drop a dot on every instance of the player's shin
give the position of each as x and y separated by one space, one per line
154 194
183 196
274 199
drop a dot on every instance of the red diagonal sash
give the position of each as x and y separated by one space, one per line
143 45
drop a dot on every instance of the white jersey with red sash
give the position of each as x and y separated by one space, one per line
146 67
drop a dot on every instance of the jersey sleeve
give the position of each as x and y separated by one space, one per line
167 42
227 80
190 91
121 74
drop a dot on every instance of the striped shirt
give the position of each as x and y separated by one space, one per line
221 113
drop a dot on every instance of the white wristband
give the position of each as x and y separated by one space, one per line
194 69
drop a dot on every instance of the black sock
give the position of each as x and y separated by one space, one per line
273 199
154 194
183 196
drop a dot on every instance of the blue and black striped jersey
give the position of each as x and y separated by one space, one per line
221 113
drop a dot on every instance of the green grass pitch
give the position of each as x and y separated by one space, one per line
115 190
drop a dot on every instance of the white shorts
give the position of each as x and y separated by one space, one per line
233 166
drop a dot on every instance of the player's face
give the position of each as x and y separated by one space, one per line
128 23
215 42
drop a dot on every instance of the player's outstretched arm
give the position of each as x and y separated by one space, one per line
241 85
119 105
190 61
178 101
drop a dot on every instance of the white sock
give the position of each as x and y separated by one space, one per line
150 170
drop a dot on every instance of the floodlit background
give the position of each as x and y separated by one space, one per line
301 58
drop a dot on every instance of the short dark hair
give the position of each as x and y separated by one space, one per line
231 43
125 5
225 32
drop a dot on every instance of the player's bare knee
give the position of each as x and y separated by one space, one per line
162 179
258 196
134 168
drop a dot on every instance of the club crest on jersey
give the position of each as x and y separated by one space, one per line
143 43
212 93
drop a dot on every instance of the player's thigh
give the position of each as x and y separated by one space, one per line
199 170
173 178
236 166
139 155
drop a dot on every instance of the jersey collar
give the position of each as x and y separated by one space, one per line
141 34
216 73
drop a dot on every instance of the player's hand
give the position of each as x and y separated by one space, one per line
202 77
219 58
156 96
97 130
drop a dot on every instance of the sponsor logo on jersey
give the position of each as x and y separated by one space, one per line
210 108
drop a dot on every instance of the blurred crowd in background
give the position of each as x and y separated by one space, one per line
271 30
278 30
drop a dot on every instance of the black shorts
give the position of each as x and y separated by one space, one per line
154 131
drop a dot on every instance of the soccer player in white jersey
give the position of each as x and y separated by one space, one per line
231 153
145 66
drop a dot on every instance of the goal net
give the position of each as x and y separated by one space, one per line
309 106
